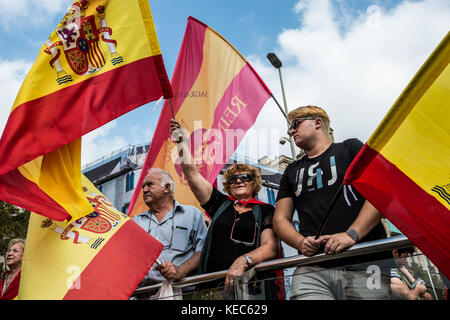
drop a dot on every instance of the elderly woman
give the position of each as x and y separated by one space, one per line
9 283
240 234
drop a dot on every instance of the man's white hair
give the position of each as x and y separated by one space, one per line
165 178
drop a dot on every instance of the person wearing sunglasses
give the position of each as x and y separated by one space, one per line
308 186
180 228
240 233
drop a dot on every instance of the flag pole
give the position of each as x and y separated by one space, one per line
327 215
279 106
171 108
180 138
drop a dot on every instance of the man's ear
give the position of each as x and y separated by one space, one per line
318 123
395 253
167 188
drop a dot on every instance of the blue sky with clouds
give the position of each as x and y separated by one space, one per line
352 57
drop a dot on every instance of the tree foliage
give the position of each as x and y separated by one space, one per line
13 224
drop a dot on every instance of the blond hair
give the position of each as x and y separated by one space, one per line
311 112
239 168
14 241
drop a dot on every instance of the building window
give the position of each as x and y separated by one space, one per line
132 180
270 196
129 182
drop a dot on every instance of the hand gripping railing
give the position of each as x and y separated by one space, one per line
358 249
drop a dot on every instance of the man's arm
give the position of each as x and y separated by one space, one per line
367 219
401 291
283 227
172 272
282 223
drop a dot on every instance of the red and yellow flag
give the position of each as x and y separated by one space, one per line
403 169
217 97
101 256
101 61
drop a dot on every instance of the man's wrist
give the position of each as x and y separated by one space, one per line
248 260
353 234
300 246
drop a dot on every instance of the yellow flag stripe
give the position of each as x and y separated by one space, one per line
124 18
435 64
51 254
420 147
212 81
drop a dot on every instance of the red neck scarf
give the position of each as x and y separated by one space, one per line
246 203
13 289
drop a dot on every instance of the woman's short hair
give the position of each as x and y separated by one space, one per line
311 112
16 240
239 168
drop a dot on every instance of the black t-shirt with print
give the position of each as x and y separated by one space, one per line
224 250
312 184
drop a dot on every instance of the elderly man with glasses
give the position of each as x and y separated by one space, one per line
240 234
180 228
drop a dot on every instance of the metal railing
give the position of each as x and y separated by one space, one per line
396 242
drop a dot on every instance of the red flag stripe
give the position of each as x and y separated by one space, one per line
53 120
30 197
412 210
118 279
193 41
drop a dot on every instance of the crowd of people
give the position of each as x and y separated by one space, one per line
244 231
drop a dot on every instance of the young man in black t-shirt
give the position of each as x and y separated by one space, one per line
308 185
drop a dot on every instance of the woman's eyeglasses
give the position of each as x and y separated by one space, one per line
244 177
239 241
296 122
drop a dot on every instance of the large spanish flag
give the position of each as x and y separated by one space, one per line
404 168
101 61
217 97
99 257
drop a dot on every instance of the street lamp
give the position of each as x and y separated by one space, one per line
272 57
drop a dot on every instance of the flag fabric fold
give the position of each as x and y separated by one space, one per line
102 256
101 61
403 169
217 97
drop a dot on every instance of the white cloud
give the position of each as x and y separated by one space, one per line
100 143
12 75
355 72
35 12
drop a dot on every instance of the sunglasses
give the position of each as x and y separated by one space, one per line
296 122
244 177
246 243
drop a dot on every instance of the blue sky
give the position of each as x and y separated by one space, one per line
351 57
